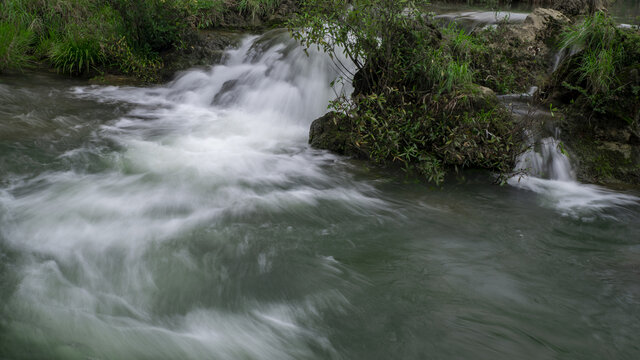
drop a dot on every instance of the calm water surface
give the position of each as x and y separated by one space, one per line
192 221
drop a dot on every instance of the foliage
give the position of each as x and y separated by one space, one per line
75 52
154 24
601 53
257 7
14 46
122 36
414 102
602 75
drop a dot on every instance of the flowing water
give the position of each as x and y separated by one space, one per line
192 221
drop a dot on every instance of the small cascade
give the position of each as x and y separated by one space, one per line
546 169
547 162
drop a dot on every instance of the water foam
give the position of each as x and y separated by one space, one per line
210 147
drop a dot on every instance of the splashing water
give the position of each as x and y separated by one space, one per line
550 174
212 147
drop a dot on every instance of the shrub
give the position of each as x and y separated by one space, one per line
414 102
154 24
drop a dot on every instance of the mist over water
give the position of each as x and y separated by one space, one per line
192 221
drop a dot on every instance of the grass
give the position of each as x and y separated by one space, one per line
15 42
84 37
601 53
600 74
75 53
257 7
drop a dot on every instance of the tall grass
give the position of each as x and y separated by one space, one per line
82 36
601 55
14 46
601 74
75 52
257 7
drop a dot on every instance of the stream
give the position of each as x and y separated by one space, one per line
192 221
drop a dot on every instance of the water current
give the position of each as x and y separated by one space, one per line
192 221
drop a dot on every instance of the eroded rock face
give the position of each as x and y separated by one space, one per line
541 24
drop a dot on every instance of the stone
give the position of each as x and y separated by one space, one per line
579 7
541 24
331 132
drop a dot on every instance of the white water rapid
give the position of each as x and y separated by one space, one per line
100 264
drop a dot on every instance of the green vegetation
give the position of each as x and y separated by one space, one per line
601 79
598 89
88 37
415 103
14 45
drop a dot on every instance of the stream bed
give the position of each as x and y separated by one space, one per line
192 221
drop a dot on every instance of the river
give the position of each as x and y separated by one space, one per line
192 221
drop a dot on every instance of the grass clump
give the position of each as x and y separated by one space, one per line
601 78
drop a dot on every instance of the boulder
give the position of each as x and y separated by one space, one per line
579 7
541 25
331 132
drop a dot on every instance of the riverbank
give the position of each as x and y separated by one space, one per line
455 104
143 41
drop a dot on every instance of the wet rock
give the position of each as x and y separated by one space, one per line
331 132
116 80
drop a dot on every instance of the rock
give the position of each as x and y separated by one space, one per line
331 132
624 150
116 80
579 7
481 97
284 11
540 25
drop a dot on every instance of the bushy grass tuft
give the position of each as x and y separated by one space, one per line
602 54
76 53
600 75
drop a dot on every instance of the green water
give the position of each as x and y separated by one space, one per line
191 221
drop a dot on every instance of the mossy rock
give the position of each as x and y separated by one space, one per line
332 132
